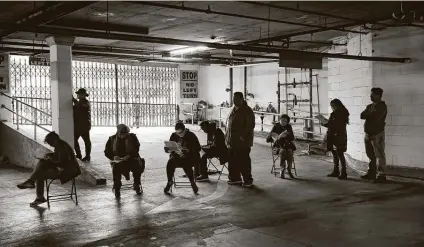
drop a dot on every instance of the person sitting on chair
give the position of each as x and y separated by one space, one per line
61 164
122 150
283 145
185 158
215 148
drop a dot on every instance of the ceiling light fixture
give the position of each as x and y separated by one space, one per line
103 14
188 50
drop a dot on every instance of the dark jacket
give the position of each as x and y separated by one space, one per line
285 143
241 123
375 118
129 146
216 142
82 114
336 132
64 157
190 142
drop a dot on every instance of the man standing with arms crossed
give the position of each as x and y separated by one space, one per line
239 138
375 117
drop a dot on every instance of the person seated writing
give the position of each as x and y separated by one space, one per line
283 138
215 148
61 164
186 156
122 150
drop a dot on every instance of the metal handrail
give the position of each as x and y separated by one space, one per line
273 114
20 101
190 113
35 124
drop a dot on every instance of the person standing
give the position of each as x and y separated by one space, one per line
337 137
82 123
375 122
239 138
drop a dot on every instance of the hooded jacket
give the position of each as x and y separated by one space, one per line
375 118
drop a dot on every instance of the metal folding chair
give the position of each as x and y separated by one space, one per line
61 197
182 184
215 169
276 168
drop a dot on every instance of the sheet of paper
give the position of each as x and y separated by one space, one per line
321 118
172 146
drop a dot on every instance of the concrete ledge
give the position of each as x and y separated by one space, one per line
20 150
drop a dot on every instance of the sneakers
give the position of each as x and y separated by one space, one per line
86 158
247 184
138 189
230 182
380 179
167 188
369 176
26 185
38 201
202 178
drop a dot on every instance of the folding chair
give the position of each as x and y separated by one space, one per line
52 198
182 184
130 186
215 169
276 168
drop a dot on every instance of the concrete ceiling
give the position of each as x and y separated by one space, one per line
190 24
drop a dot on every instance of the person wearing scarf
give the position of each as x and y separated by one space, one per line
122 150
337 137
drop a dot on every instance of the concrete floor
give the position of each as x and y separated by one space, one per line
310 211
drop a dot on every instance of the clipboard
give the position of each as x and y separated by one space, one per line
172 146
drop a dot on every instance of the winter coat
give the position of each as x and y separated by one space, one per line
189 142
216 142
336 130
64 157
375 118
288 141
241 123
82 115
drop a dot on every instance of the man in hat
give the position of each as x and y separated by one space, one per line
82 123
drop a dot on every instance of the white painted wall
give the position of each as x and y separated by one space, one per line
351 81
403 86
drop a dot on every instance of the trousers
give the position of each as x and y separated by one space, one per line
123 168
240 164
85 134
374 147
43 170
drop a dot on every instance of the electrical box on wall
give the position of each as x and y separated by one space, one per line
297 60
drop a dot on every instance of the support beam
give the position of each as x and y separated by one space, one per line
312 31
99 26
51 13
209 11
159 40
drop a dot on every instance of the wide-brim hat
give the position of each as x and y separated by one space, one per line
82 91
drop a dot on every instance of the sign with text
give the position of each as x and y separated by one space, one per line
4 73
41 61
189 84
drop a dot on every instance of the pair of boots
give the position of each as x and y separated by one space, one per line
193 186
336 173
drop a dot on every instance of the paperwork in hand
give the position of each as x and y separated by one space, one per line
172 146
274 136
117 161
321 118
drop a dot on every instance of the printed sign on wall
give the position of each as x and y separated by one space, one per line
4 73
189 84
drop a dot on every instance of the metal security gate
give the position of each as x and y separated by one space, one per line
134 95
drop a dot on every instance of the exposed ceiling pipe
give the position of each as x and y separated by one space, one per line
312 31
49 14
122 56
308 12
209 11
159 40
319 42
249 64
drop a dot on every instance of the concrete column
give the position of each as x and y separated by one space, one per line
61 86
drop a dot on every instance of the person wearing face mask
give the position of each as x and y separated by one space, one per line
61 164
82 123
122 149
337 137
284 143
186 159
375 122
239 138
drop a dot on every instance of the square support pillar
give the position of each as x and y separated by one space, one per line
61 86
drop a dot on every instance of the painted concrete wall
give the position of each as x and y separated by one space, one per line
351 81
403 86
